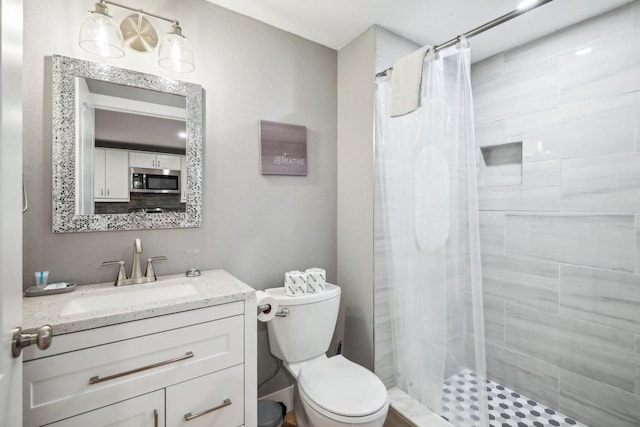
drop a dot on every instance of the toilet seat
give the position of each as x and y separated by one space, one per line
342 390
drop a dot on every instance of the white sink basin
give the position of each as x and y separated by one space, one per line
124 297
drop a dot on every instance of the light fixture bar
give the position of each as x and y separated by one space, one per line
141 11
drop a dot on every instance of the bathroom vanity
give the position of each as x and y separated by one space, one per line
179 351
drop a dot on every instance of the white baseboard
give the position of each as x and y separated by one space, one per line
285 396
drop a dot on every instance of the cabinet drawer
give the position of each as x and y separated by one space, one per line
141 411
67 384
214 400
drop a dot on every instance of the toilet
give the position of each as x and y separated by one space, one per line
330 391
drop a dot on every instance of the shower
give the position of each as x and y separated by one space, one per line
505 246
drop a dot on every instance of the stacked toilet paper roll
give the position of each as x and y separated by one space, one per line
316 279
295 283
267 306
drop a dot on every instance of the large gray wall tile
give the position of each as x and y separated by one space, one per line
488 69
577 130
383 348
601 296
527 282
490 133
491 232
493 314
597 404
601 353
571 39
493 311
611 68
605 241
638 365
637 243
539 191
532 377
602 183
517 92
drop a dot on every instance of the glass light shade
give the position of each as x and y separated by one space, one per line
100 35
175 54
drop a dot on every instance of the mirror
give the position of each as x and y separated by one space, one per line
127 149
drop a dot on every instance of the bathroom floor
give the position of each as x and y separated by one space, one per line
290 420
507 408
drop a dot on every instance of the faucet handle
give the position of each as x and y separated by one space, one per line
122 274
150 272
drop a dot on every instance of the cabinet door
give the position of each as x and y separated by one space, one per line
142 411
139 159
214 400
99 184
117 175
168 161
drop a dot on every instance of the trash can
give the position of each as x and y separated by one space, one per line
269 413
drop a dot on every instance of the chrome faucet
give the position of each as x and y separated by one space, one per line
136 273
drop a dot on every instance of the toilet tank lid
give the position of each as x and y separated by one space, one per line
331 291
343 387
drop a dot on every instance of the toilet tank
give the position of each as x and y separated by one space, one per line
306 331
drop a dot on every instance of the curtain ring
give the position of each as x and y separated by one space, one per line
463 42
432 53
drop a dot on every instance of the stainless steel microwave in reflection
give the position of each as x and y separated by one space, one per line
164 181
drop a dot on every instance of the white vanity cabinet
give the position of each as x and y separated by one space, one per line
155 372
142 411
110 175
140 159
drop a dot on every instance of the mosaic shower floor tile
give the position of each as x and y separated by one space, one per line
507 408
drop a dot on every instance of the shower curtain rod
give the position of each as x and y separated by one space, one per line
482 28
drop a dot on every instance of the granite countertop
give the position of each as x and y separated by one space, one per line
169 294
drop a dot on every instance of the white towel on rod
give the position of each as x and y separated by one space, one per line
406 79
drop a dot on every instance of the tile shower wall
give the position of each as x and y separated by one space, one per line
561 251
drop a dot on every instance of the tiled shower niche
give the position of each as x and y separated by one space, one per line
501 164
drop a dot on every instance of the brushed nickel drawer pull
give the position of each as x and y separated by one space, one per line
97 379
188 416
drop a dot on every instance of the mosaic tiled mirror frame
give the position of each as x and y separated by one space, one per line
64 217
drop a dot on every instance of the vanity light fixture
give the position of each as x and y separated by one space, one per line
100 35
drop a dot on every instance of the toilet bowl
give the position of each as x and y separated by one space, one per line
330 391
337 392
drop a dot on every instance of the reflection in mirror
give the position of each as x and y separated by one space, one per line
136 142
119 128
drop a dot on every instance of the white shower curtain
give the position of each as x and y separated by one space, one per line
426 171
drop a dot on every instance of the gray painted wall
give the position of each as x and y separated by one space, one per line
356 69
560 251
256 227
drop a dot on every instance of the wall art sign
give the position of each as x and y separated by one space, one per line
283 149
